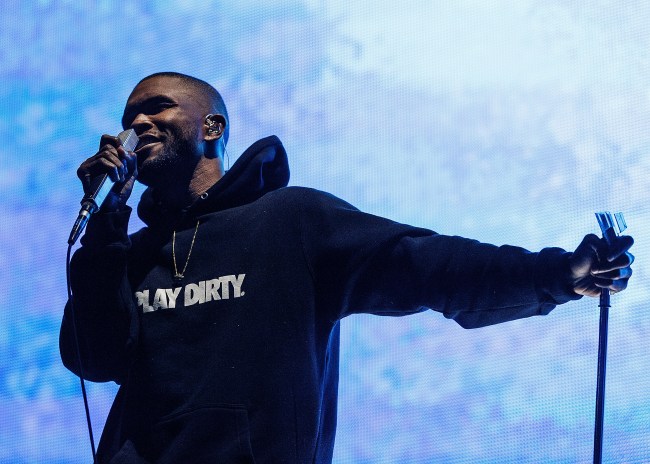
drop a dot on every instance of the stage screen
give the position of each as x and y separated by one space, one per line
507 121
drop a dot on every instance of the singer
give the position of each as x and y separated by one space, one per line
220 319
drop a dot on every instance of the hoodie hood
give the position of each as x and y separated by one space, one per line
262 168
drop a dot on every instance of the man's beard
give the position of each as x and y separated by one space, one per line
176 160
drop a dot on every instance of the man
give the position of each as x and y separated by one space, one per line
220 319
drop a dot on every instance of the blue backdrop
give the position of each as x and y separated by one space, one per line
509 121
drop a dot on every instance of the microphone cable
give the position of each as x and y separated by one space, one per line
77 349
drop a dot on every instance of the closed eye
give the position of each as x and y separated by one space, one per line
158 107
149 106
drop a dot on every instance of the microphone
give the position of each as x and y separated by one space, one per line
100 186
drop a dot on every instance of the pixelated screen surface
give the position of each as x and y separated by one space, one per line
506 121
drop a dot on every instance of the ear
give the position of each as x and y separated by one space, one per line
213 127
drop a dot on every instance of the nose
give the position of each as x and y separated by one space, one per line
141 123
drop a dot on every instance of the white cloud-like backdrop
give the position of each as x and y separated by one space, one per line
507 121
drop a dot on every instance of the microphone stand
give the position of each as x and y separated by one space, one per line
611 225
600 382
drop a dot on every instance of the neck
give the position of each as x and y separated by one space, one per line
177 195
205 176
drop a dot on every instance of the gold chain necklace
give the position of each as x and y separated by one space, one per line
180 276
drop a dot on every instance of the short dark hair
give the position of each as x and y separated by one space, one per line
212 97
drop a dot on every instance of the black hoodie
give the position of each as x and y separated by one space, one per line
238 362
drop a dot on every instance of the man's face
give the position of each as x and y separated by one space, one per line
168 117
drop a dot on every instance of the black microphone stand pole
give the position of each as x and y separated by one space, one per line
611 225
600 382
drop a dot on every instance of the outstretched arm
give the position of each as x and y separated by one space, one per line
366 264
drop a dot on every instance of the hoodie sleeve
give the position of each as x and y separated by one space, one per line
104 310
362 263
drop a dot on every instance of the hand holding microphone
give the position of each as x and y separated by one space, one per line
107 177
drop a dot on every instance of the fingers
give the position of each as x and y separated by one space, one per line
601 256
111 159
108 161
615 272
108 140
596 265
619 247
622 273
110 147
615 286
604 250
594 286
622 261
131 164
